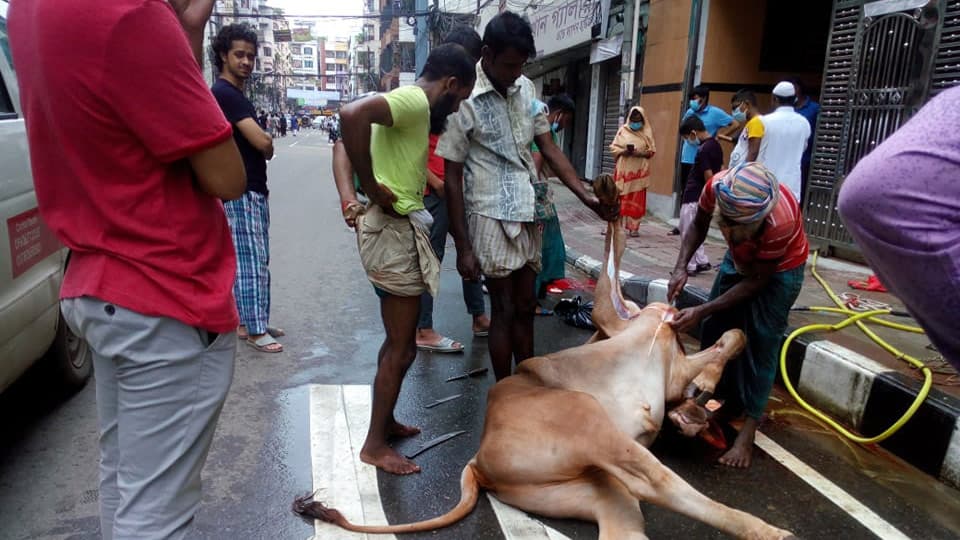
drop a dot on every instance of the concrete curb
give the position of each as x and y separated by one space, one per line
854 389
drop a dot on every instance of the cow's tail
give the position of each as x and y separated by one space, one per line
469 493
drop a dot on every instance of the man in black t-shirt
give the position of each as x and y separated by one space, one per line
708 162
234 52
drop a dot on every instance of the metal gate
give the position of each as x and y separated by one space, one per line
884 60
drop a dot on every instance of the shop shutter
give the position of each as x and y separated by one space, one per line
611 114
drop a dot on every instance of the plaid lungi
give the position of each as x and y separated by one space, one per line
249 218
503 247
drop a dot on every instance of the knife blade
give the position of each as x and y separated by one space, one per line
443 400
435 442
472 373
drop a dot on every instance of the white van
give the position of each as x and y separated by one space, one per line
31 259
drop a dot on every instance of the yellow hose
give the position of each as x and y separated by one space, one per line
857 318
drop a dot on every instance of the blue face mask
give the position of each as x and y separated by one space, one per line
695 104
739 116
636 126
695 141
555 126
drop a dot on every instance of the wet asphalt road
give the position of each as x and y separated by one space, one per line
261 459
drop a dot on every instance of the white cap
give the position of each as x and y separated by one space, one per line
784 89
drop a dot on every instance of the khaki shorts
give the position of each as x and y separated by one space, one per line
503 247
396 255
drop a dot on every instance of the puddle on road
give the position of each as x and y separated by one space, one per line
916 488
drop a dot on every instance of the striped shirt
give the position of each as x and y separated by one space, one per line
782 238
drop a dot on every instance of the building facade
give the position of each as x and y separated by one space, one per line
334 65
397 44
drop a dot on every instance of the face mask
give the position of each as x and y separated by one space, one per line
555 125
694 104
695 141
636 126
739 116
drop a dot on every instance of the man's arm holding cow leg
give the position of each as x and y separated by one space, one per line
561 166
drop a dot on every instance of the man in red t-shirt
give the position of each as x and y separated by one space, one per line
756 286
131 157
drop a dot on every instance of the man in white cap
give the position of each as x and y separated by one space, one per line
785 137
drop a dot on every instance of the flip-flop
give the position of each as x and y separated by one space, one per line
481 333
273 331
445 345
263 344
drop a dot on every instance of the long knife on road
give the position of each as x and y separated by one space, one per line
443 400
435 442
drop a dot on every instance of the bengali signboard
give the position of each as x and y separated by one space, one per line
560 26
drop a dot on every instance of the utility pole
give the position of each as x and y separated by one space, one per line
423 37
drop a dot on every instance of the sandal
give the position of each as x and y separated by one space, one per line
265 344
273 331
445 345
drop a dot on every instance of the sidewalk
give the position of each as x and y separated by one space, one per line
844 373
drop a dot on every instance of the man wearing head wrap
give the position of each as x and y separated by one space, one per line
756 286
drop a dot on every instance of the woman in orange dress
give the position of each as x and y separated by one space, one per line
632 148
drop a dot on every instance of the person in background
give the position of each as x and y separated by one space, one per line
785 138
756 286
553 252
716 120
386 140
136 196
901 203
283 124
709 161
632 148
809 109
489 187
234 55
746 113
435 201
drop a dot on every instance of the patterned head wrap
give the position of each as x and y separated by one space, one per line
747 193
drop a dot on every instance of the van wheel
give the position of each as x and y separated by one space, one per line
69 360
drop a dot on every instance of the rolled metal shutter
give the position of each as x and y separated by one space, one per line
611 115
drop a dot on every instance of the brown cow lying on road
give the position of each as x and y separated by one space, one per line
567 435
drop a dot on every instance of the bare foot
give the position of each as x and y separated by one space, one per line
388 460
396 429
741 453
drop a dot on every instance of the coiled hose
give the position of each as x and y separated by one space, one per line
859 319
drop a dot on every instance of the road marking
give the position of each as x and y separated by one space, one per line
339 418
294 144
517 525
868 518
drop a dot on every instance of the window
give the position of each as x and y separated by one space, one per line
330 54
295 49
308 51
267 51
341 54
308 64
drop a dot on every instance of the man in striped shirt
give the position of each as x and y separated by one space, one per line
756 286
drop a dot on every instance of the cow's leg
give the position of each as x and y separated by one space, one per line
596 496
649 480
704 368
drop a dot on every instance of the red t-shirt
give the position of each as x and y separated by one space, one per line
434 162
782 238
114 102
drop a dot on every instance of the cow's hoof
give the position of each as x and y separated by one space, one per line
689 417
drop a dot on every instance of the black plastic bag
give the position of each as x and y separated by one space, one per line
575 312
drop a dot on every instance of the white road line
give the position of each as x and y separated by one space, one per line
338 423
294 144
517 525
868 518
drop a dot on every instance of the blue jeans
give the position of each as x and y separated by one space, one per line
472 291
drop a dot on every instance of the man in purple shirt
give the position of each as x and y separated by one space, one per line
901 203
